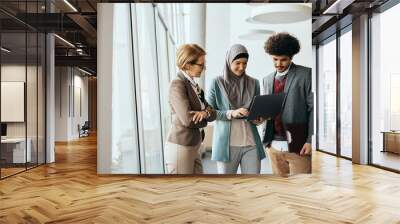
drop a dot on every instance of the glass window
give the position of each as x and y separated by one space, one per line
327 97
125 154
171 57
385 89
346 94
164 74
394 101
152 144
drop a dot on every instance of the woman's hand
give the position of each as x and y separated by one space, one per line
198 116
258 121
240 113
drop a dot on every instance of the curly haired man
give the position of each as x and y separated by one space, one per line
295 81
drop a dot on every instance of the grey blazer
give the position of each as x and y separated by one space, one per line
298 104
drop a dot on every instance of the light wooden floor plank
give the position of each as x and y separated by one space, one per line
70 191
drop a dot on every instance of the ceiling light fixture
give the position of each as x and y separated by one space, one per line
337 7
65 41
84 71
5 50
278 13
70 5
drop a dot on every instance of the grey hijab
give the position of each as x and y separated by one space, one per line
238 90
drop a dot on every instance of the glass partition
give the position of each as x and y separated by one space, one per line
15 149
22 88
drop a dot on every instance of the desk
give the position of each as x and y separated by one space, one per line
13 150
391 141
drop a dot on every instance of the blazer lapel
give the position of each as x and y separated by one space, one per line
290 76
193 98
270 84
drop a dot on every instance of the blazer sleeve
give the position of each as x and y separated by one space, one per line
180 103
310 105
257 87
212 100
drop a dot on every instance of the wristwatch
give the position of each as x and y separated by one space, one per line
208 114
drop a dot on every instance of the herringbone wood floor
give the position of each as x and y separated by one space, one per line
69 191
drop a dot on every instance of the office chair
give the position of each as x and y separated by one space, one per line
84 130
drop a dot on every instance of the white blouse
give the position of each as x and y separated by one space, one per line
241 133
196 88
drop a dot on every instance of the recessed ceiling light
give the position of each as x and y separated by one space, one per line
5 50
84 71
70 5
337 7
65 41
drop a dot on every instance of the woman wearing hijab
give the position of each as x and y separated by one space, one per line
235 141
190 113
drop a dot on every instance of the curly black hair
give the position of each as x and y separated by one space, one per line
282 44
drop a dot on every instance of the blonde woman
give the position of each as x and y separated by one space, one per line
190 113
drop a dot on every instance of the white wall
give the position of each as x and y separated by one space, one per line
225 22
61 103
80 83
217 39
68 81
17 73
105 23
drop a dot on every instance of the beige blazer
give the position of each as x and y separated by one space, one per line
182 100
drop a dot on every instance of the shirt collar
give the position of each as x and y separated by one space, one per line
191 80
280 74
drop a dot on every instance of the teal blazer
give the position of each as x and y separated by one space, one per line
222 126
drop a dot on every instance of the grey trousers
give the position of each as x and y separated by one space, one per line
246 156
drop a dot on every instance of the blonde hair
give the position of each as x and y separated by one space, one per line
188 54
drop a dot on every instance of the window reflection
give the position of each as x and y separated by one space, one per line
385 87
125 156
149 91
327 97
346 94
